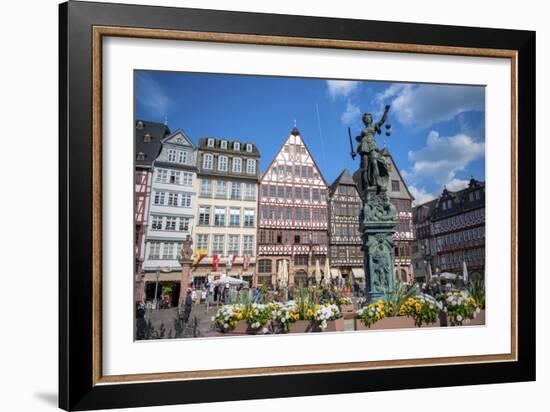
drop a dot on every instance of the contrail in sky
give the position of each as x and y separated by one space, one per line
321 135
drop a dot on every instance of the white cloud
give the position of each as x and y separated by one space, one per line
420 195
151 95
341 88
351 114
456 184
427 104
443 157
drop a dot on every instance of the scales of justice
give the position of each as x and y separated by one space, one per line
377 219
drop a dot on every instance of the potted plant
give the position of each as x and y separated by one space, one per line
459 308
381 315
327 318
228 316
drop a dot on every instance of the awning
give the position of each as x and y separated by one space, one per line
358 273
335 273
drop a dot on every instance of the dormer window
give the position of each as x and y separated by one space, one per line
146 137
179 140
140 156
139 125
210 142
249 147
236 146
223 144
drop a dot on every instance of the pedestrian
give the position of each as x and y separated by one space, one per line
216 293
188 306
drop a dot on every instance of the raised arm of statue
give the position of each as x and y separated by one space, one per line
382 120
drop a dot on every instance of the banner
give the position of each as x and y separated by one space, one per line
199 255
215 262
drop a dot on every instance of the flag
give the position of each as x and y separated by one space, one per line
199 255
230 261
214 262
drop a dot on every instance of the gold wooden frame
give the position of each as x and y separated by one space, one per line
102 31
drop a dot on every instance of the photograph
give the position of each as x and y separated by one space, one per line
268 205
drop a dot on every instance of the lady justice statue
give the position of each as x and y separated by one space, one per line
373 165
377 218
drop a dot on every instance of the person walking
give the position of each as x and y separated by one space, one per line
187 306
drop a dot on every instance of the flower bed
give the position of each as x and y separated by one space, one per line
424 309
459 308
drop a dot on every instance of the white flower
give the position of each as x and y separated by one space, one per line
478 310
264 330
445 309
225 325
459 318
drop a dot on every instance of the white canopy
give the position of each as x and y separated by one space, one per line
358 273
448 276
224 280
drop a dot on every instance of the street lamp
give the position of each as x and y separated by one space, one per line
155 300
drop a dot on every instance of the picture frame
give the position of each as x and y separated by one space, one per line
82 28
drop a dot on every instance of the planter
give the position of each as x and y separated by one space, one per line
242 328
300 326
348 311
394 322
332 326
477 321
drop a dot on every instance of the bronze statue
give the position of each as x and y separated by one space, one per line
374 170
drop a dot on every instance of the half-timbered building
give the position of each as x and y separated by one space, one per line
148 144
402 199
345 254
293 223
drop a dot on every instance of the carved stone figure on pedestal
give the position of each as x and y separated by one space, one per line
186 260
378 215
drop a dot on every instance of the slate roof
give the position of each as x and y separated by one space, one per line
148 148
343 178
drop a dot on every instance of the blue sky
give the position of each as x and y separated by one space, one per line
438 133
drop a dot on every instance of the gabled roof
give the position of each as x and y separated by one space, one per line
148 138
343 178
178 134
295 132
396 174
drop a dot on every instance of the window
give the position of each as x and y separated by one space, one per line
271 213
264 266
477 194
265 190
301 260
234 217
204 215
221 189
233 245
140 156
249 191
162 176
249 218
298 193
395 185
281 192
154 250
280 213
250 166
159 198
174 177
207 161
315 195
237 165
156 223
184 224
171 155
323 195
298 215
185 200
305 194
236 146
170 223
236 191
168 251
223 144
249 147
210 143
306 215
218 245
471 196
206 187
219 216
248 245
186 179
288 193
273 192
222 163
288 213
172 199
202 242
297 170
182 157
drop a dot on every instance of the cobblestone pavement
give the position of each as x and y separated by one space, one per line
167 318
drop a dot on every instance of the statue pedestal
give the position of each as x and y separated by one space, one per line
378 221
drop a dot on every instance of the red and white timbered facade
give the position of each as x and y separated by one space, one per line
293 221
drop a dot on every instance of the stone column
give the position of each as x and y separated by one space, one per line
185 260
378 220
